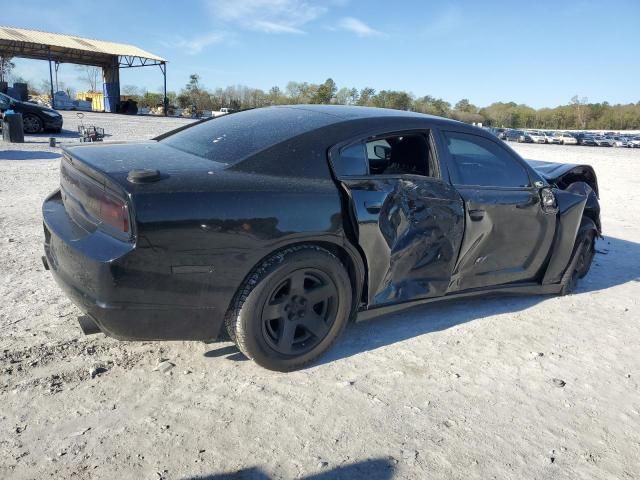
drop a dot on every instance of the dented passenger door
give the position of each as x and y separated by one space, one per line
407 221
508 233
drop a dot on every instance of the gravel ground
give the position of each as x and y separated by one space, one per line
514 387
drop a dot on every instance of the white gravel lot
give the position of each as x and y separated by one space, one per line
464 389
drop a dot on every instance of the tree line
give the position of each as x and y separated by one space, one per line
577 114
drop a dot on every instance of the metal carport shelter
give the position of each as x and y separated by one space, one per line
60 48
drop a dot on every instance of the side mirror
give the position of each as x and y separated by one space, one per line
382 152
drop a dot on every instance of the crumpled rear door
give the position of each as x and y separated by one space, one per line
410 229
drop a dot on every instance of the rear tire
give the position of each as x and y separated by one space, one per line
292 308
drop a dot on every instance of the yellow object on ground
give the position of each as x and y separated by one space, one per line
96 99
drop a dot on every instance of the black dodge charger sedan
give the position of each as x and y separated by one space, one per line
35 118
280 224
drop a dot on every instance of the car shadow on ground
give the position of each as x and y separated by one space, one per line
28 155
616 263
374 469
45 136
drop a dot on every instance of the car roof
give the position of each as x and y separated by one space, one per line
348 112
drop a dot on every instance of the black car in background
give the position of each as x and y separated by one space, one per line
35 118
514 135
281 224
588 140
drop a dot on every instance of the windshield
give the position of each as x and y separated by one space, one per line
6 99
231 138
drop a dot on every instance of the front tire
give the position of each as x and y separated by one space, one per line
32 123
583 253
291 308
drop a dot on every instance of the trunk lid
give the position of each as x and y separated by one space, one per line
112 162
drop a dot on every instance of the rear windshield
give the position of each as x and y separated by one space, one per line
231 138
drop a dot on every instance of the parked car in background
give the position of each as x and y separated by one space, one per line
548 137
633 142
619 141
35 118
533 137
580 136
603 141
588 140
514 135
222 111
501 133
565 138
302 218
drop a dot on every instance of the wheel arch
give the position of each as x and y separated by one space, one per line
348 255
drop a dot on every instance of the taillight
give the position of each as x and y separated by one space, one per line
114 212
92 201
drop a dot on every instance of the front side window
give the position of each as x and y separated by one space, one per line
480 162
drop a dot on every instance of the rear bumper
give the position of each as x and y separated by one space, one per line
102 276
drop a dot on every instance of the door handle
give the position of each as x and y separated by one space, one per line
476 215
373 207
529 203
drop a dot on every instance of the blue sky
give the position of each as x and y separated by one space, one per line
540 53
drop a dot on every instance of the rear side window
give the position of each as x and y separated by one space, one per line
232 138
351 162
403 154
478 161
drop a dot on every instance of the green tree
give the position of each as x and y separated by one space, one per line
275 96
432 106
325 92
465 106
393 99
366 96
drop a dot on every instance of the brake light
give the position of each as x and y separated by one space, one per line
93 201
114 212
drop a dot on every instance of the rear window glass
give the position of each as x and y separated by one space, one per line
352 161
231 138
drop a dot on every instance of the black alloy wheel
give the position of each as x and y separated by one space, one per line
299 312
291 308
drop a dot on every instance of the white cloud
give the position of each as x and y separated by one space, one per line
269 16
273 27
358 27
195 45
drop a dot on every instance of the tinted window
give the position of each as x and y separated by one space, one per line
479 161
352 161
399 155
4 101
231 138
